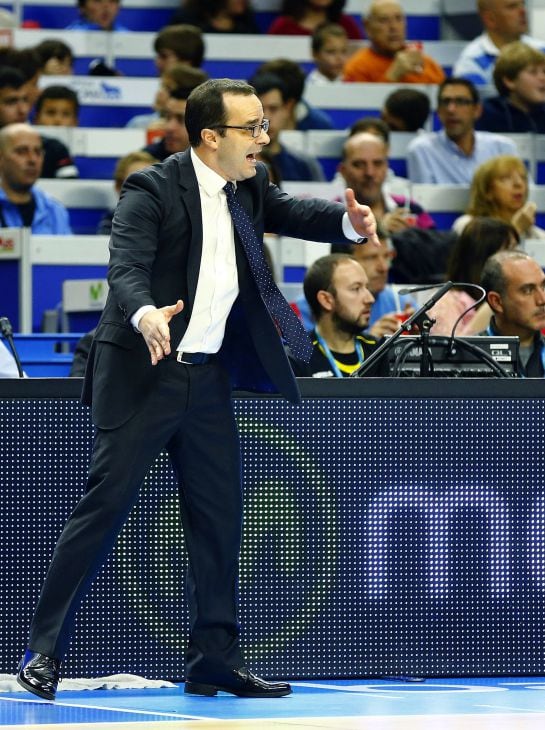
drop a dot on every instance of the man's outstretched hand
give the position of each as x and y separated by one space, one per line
362 217
154 328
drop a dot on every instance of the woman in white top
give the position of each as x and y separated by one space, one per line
499 189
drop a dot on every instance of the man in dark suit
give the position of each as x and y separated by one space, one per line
185 321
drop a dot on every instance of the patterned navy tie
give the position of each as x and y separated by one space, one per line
289 323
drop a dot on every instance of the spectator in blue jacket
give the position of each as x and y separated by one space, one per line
21 202
519 76
97 15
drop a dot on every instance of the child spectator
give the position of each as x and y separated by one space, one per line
178 44
406 110
57 106
57 58
302 114
519 76
330 52
97 15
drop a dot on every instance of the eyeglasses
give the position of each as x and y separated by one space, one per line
456 100
255 129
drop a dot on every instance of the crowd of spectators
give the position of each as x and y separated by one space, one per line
459 130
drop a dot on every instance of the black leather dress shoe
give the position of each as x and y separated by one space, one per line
39 674
242 683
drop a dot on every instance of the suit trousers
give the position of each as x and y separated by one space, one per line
189 413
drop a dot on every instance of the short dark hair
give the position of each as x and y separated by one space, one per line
53 48
493 276
290 72
459 81
58 91
263 82
374 125
11 78
186 41
183 92
26 60
319 277
205 106
410 105
323 33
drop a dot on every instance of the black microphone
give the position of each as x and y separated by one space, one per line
7 331
410 289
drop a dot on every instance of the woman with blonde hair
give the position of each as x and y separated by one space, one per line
499 189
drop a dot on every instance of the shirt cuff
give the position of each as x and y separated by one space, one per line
137 316
349 232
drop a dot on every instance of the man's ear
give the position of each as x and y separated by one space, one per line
210 138
494 300
325 299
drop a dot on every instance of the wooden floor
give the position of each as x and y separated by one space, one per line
507 703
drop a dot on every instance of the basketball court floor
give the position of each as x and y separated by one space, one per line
516 703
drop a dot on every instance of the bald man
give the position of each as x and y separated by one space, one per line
504 21
390 58
364 167
22 203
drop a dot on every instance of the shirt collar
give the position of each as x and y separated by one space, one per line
208 179
538 337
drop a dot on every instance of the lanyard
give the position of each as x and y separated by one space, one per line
327 352
541 348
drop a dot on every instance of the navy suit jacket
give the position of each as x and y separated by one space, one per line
155 254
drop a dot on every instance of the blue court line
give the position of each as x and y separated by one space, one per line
328 699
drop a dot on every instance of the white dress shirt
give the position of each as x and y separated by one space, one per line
217 287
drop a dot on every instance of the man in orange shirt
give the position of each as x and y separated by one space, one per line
390 58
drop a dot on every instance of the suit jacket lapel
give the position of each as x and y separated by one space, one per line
192 202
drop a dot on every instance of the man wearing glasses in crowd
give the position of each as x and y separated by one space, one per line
451 155
192 311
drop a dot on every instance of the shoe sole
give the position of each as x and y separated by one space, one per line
211 690
35 690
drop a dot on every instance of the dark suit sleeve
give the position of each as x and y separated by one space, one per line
134 241
314 219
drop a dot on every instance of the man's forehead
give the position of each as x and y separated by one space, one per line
9 91
455 90
242 107
385 8
350 269
366 146
523 271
